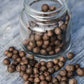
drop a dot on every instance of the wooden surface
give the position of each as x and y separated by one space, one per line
9 35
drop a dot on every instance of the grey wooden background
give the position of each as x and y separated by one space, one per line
9 35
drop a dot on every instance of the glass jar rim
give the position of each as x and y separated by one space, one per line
38 14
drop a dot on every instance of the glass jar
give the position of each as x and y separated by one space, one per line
45 34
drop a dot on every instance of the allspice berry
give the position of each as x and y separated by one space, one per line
48 78
64 79
29 48
54 80
51 70
73 81
55 61
14 56
15 51
63 82
6 52
37 38
70 55
45 37
80 72
52 8
36 80
23 67
57 50
70 68
58 31
59 78
46 42
11 68
39 43
70 74
43 52
50 64
36 50
27 82
18 59
15 63
9 55
56 67
11 49
18 68
37 65
61 59
42 63
43 68
6 61
35 70
22 53
60 64
49 33
63 73
42 77
22 73
77 66
45 7
46 73
29 71
25 77
31 57
43 82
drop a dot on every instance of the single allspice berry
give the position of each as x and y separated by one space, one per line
70 55
45 7
6 61
80 72
6 52
52 8
77 66
62 59
63 73
73 81
22 53
11 49
55 61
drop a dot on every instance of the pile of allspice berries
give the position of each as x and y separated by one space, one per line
34 72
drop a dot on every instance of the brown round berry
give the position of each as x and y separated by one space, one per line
70 74
25 77
50 64
11 68
43 52
43 63
45 37
18 68
80 72
42 77
52 8
23 67
29 48
51 70
57 50
36 50
46 73
9 55
48 48
14 56
22 53
64 79
6 52
6 61
15 63
59 78
73 81
46 42
45 7
61 64
37 38
48 78
36 80
43 68
11 49
51 52
27 82
54 80
63 82
70 68
61 59
22 73
35 70
18 59
15 51
56 67
77 66
49 33
37 65
58 31
55 61
29 71
39 43
43 82
70 55
63 73
57 42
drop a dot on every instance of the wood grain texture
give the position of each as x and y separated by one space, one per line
9 35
